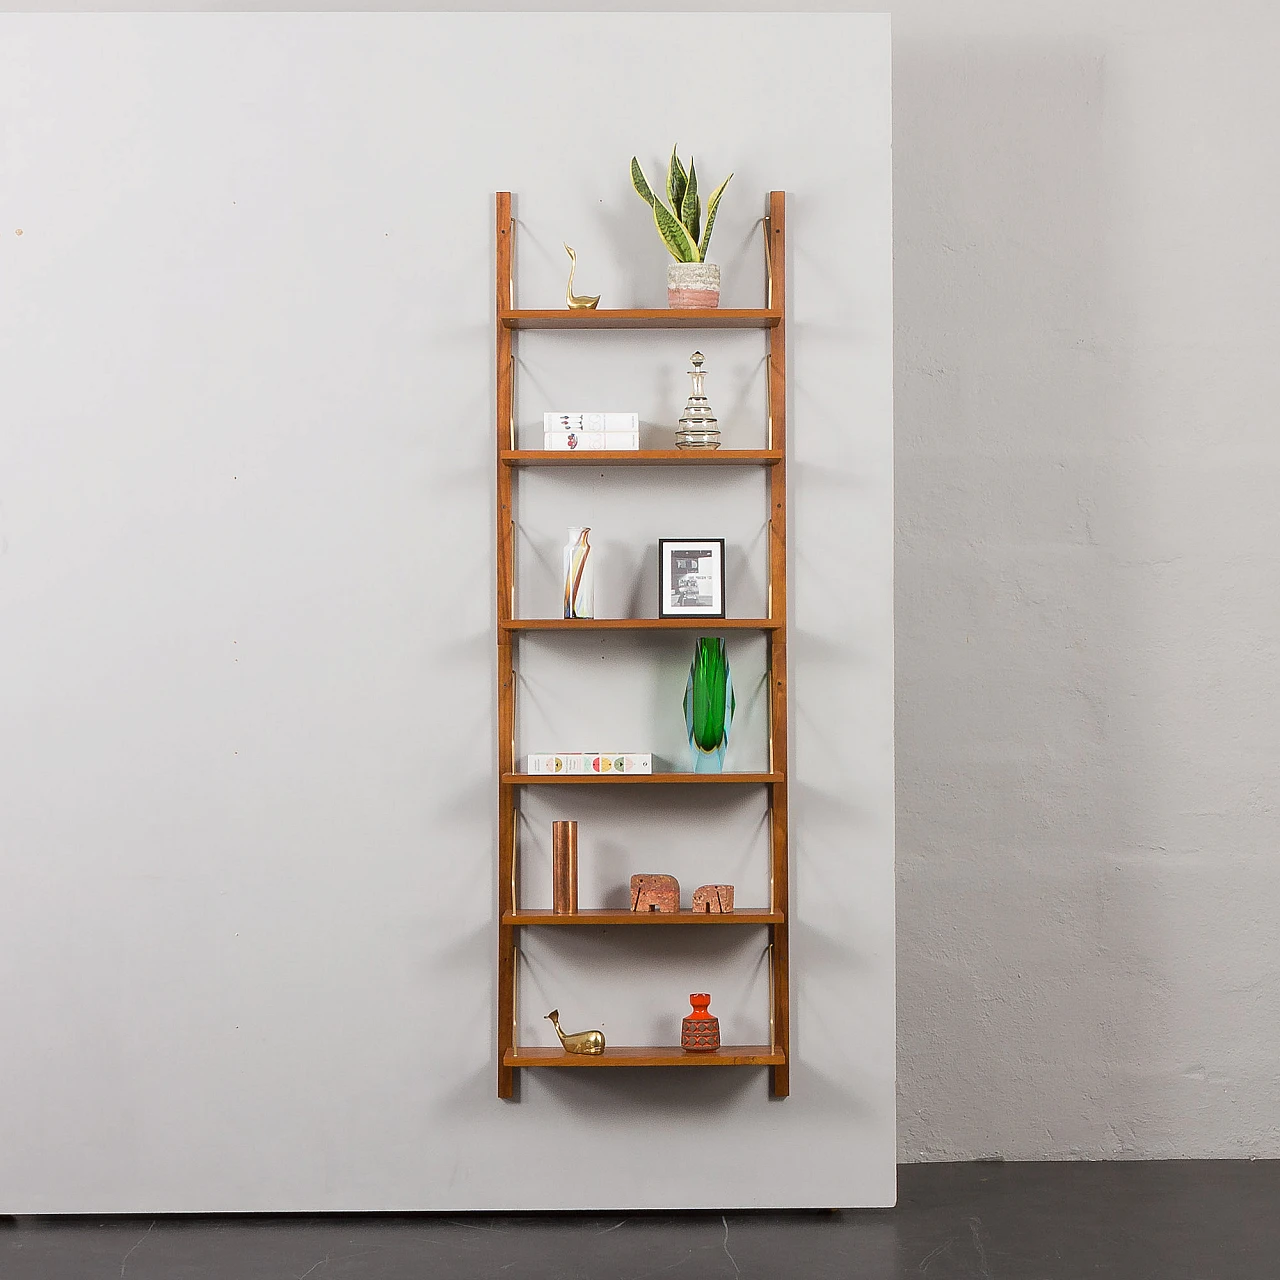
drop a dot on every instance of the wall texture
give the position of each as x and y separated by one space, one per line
247 723
1086 283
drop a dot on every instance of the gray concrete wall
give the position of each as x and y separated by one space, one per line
1087 289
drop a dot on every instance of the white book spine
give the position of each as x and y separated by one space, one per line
591 422
606 762
588 762
574 440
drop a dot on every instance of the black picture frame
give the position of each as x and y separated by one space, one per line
691 578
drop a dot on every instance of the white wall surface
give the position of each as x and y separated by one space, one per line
1086 196
246 616
1086 292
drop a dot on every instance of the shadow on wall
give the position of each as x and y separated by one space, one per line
1025 1008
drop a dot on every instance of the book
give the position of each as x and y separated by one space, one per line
581 762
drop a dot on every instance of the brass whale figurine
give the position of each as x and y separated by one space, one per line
577 302
591 1042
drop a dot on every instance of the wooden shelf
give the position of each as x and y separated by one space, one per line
640 624
640 458
601 916
642 318
613 779
739 1055
770 321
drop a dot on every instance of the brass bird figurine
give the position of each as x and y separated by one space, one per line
577 302
591 1042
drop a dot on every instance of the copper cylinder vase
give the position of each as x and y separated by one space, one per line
564 868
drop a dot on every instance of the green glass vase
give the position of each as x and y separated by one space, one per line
709 704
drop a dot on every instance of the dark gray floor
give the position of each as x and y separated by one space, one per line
1133 1221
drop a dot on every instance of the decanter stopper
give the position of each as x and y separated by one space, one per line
698 426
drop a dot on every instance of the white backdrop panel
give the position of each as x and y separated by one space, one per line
246 669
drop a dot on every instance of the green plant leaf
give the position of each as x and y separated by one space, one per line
691 209
641 184
676 180
712 205
674 236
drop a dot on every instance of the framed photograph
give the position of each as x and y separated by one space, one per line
691 577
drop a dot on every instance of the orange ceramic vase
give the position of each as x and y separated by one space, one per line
700 1032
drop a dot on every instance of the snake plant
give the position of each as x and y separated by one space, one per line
683 231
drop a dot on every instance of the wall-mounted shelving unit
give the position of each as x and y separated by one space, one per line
771 318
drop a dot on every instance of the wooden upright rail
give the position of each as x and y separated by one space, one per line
780 899
771 318
506 576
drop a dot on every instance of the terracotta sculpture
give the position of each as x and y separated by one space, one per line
655 893
715 899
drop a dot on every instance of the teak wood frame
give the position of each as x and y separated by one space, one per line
776 1055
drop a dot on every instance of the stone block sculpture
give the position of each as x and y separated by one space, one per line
715 899
655 893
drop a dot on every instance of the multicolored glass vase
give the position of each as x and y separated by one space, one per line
709 705
700 1031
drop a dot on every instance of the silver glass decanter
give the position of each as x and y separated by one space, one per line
698 426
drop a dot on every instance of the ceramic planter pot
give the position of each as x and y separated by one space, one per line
693 284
